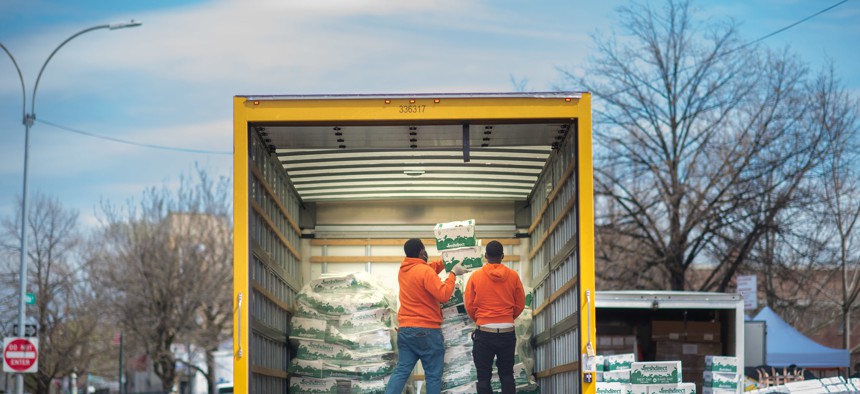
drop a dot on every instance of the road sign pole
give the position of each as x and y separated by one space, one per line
120 363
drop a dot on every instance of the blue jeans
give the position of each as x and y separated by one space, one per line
416 343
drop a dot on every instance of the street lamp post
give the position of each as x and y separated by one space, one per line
28 119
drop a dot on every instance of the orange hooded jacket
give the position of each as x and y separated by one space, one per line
494 294
422 292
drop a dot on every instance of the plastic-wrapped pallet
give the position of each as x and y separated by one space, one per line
342 333
524 354
458 368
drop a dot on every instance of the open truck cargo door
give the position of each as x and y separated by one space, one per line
314 172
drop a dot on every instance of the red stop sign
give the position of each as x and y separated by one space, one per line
20 355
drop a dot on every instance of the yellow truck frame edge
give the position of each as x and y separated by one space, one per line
362 109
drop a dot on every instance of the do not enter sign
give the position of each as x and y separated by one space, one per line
20 355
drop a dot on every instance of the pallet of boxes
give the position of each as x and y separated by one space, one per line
689 342
343 336
457 243
622 374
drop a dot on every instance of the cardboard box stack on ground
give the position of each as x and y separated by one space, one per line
343 335
721 375
649 377
614 368
689 342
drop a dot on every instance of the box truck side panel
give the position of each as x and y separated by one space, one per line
562 264
267 264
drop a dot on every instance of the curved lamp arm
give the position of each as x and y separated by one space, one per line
112 26
21 77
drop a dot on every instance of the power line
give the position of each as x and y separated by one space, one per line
762 38
766 36
133 143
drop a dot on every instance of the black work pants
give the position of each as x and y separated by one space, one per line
499 346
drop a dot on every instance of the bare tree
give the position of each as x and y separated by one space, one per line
835 209
166 265
698 148
63 311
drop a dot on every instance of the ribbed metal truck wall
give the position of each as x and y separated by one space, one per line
561 244
273 271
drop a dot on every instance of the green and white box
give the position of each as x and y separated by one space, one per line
680 388
471 257
312 385
611 388
307 328
456 298
711 390
451 313
617 376
619 361
376 386
655 372
453 235
721 364
721 380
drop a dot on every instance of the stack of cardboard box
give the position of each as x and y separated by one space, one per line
617 344
689 342
653 377
721 375
456 242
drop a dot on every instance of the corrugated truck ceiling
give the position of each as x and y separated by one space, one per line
479 159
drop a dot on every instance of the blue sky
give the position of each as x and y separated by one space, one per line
171 81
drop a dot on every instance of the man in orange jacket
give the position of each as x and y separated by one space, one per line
420 317
494 297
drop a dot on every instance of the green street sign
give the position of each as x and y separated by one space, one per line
29 298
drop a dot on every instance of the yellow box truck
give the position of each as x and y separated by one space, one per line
337 183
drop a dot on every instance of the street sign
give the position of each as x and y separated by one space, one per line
20 355
29 330
29 299
748 288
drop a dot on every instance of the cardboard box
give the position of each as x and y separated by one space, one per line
619 361
689 331
611 388
721 380
710 390
721 364
455 235
680 388
691 354
471 257
655 372
617 376
616 344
